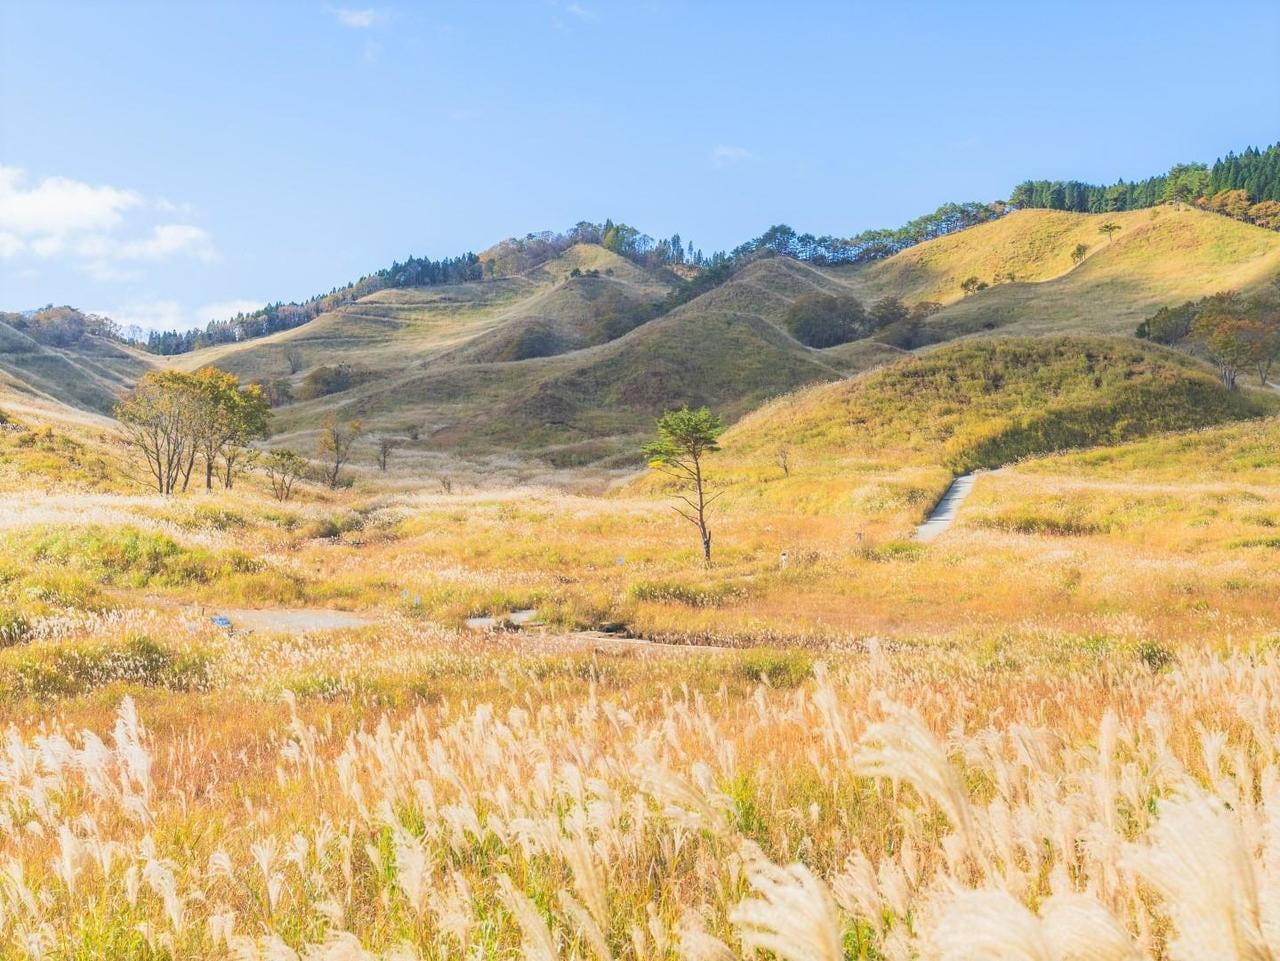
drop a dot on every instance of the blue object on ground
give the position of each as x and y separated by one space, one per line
220 621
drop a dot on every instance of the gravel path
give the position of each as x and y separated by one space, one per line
944 513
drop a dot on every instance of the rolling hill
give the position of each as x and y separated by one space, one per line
568 358
1160 255
990 401
88 375
571 359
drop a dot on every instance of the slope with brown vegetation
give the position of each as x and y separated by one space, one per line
573 358
89 374
1159 256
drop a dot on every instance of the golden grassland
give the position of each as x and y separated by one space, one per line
1050 734
540 362
1160 256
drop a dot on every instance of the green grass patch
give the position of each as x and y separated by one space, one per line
43 672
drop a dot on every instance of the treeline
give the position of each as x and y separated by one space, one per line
871 244
518 254
1245 186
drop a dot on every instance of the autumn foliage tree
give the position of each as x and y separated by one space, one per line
1238 333
230 418
159 420
173 418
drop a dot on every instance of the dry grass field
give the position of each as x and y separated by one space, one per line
1050 734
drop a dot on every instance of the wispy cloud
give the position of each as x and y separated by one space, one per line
724 155
95 225
164 241
150 315
357 19
581 12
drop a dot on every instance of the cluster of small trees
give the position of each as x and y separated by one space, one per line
61 326
825 320
1234 331
176 420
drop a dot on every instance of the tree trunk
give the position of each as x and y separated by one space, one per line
186 471
208 474
702 512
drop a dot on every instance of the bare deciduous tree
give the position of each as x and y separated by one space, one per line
335 443
385 446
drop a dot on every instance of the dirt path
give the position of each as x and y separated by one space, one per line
944 512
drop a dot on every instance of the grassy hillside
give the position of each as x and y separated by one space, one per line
1161 255
88 375
567 359
573 358
988 402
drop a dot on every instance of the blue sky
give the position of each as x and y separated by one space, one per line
169 162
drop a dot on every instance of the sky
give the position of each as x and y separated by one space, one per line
170 163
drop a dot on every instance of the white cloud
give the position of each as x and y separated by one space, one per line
48 246
111 273
167 206
164 241
581 12
722 155
357 19
93 225
59 205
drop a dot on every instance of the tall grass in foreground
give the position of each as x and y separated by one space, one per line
872 811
